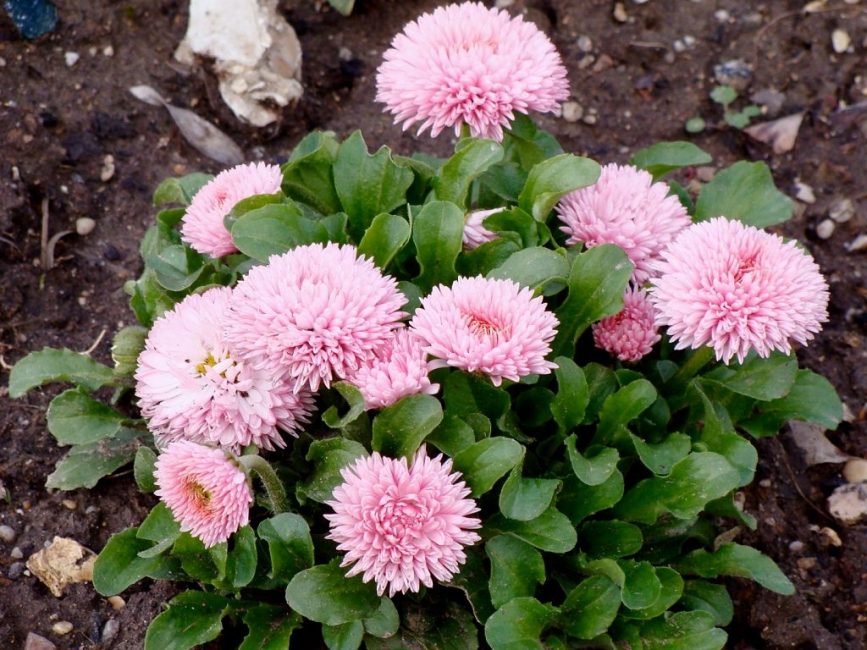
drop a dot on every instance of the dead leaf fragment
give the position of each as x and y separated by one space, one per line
63 562
780 134
816 448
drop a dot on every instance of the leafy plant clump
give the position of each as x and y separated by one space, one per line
591 501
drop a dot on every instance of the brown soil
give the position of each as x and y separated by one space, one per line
57 123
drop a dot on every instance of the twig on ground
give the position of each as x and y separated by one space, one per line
95 343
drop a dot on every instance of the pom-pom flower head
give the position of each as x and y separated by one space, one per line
402 526
314 313
736 288
467 64
207 493
399 369
192 386
624 207
202 226
487 325
630 334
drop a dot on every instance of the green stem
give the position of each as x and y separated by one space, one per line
273 486
695 362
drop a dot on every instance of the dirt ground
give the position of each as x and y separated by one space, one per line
636 81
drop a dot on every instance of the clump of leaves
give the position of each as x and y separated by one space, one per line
725 97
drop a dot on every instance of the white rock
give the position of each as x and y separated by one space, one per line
831 535
619 12
858 244
722 15
848 503
572 111
110 630
585 44
804 193
71 58
38 642
107 170
780 134
7 534
16 553
84 225
855 471
62 628
108 51
825 229
840 40
842 210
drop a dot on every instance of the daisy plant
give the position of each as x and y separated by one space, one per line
504 399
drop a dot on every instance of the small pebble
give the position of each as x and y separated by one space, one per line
590 119
62 628
825 229
116 602
797 546
842 210
84 225
71 58
689 40
765 483
110 630
705 173
804 193
37 642
108 50
679 46
806 563
572 111
736 73
107 170
92 509
620 12
722 15
69 504
344 54
7 534
585 44
2 62
858 244
16 553
855 470
15 570
840 40
832 536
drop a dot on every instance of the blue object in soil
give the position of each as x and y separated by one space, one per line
33 18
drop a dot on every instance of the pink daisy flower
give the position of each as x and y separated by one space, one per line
192 386
402 526
467 64
399 369
736 288
314 313
624 207
208 494
630 334
202 226
487 325
475 234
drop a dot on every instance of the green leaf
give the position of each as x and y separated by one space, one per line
484 259
274 229
683 631
192 618
49 365
528 144
353 397
590 608
346 636
518 624
270 628
641 587
595 468
437 232
308 176
551 179
724 95
579 500
601 382
159 525
660 457
664 157
694 481
709 597
670 593
125 348
746 192
536 268
180 190
176 267
203 564
289 545
242 558
386 235
483 463
399 429
516 221
762 379
324 594
695 125
596 283
342 6
329 456
143 469
570 402
620 408
811 399
740 561
551 531
526 498
610 538
385 621
119 565
84 465
465 394
452 435
75 418
472 579
148 299
367 184
470 161
516 569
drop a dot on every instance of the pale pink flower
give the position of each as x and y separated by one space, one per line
624 207
202 226
192 386
314 313
208 494
630 334
399 368
467 64
735 288
487 325
402 526
475 233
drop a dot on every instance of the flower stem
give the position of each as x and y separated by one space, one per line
273 486
695 362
